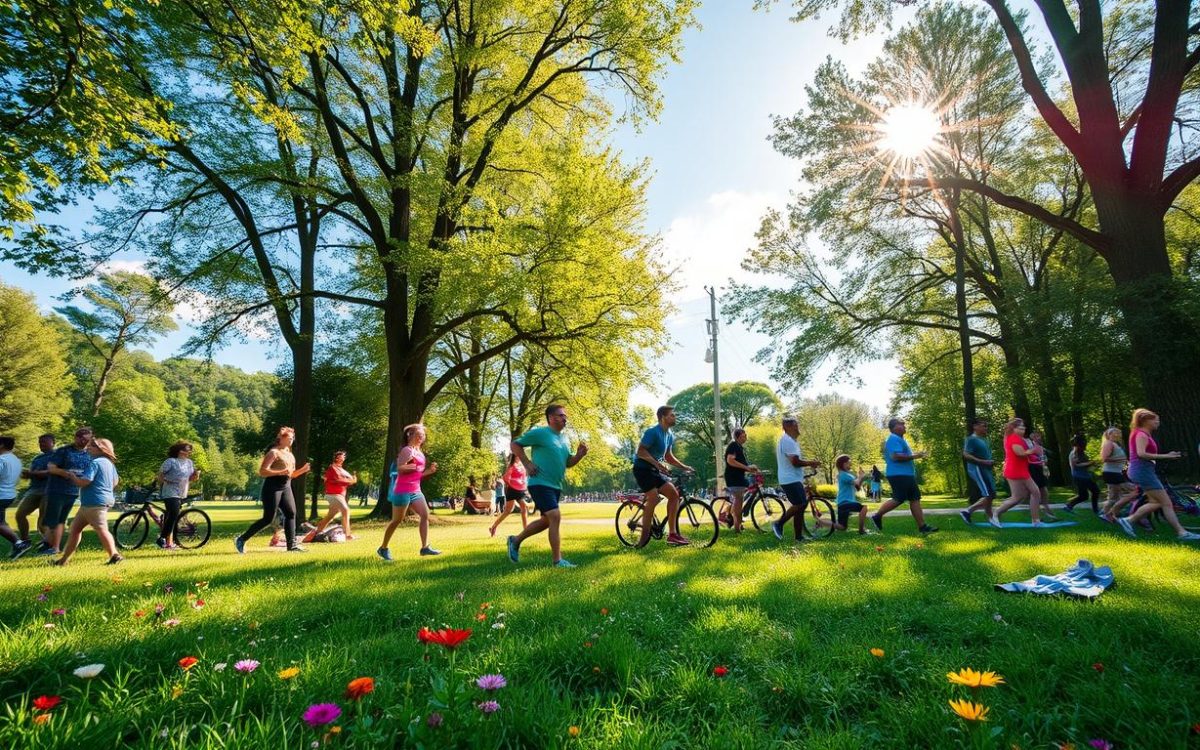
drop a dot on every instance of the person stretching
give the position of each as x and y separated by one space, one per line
96 482
1021 486
337 480
515 482
546 469
901 471
278 469
411 468
847 495
1143 452
981 487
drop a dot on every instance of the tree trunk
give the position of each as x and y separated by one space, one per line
302 395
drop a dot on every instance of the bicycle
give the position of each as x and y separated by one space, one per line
192 529
761 503
696 518
818 509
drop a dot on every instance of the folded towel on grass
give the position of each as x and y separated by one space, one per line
1082 580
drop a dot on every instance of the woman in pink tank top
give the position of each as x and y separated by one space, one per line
411 468
1143 452
515 484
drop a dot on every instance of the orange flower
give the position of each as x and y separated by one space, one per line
970 711
188 662
587 644
604 611
480 617
450 638
972 679
877 653
485 605
360 687
573 730
41 719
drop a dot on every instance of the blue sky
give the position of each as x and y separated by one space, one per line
715 175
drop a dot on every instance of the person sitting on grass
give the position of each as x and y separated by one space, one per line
847 495
97 483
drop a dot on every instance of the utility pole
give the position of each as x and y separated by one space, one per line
719 477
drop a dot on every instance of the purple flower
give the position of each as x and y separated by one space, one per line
248 666
158 610
42 598
321 713
489 707
434 720
168 588
491 682
1100 744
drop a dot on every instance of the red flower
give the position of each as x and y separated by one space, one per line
360 687
604 611
1098 667
450 638
425 635
1196 729
46 702
720 671
188 662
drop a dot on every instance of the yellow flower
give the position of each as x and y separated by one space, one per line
972 679
289 673
176 691
877 653
573 731
970 711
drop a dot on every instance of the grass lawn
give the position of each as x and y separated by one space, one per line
622 648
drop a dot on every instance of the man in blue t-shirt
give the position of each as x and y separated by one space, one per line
34 499
61 493
547 469
981 487
901 473
652 471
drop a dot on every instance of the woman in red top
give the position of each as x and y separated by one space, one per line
514 492
1016 470
337 479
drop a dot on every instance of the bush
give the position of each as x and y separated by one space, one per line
827 491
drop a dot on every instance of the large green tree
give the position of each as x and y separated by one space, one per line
35 382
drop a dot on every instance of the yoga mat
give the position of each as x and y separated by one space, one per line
1028 524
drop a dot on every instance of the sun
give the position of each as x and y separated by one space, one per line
908 130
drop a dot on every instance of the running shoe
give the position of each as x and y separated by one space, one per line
1069 508
1037 524
296 548
878 523
162 543
927 529
384 553
1127 527
965 515
777 527
240 545
994 520
48 551
676 540
114 559
564 564
514 550
429 551
42 546
1188 536
20 547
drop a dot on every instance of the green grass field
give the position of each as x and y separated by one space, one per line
617 653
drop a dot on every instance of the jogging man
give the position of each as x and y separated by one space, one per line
901 473
61 493
791 479
736 467
546 469
34 499
653 476
981 487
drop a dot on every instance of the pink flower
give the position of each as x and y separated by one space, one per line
249 665
158 610
491 682
58 612
1100 744
489 707
320 713
171 623
434 720
42 598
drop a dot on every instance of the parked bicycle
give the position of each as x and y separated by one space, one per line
763 505
819 513
131 529
697 520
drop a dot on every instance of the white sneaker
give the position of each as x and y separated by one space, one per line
1188 536
993 520
1127 527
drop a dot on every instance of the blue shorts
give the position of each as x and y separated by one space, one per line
406 498
544 498
1142 474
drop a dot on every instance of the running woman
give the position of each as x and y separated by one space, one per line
411 468
876 483
337 480
736 468
1081 475
1143 453
96 485
901 472
1037 471
1112 470
546 469
652 472
981 487
278 469
515 482
174 476
1016 470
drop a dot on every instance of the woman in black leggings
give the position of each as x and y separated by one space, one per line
176 474
278 469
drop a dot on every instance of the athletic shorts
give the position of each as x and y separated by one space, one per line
514 495
58 508
980 482
845 509
647 478
1037 473
406 498
545 498
1142 474
795 494
337 501
93 515
33 500
1114 477
904 488
4 507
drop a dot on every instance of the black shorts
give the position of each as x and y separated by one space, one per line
845 509
1038 474
795 493
904 488
1115 477
545 499
649 478
511 495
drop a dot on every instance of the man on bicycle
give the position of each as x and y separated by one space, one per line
652 474
736 467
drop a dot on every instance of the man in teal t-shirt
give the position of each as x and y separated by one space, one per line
981 487
546 468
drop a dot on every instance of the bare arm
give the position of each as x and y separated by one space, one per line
644 453
265 470
518 450
1139 445
580 451
669 457
404 462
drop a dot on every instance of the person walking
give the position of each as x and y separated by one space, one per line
34 499
981 485
337 482
1038 455
1081 475
174 477
1016 471
1143 455
1113 460
411 468
901 472
10 474
546 468
61 492
736 468
96 484
515 483
876 483
791 463
278 469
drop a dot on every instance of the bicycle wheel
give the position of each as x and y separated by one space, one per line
819 518
698 523
724 510
192 529
766 510
131 529
629 523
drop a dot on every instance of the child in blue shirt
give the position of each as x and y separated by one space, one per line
848 485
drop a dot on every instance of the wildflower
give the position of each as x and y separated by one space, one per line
247 666
720 671
491 682
596 669
46 702
434 720
42 598
587 644
489 707
168 588
425 635
604 611
970 711
879 548
359 687
188 662
1099 667
198 604
1066 746
450 638
289 673
49 626
58 612
171 623
1101 744
140 613
41 719
319 714
158 610
201 584
481 617
877 653
176 691
573 730
497 626
972 679
485 605
89 671
220 666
